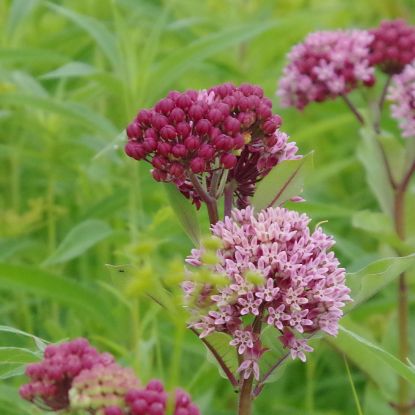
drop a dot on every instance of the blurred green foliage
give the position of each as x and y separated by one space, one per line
72 75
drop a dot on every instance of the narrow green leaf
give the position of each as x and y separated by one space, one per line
79 297
70 70
97 30
77 112
375 276
82 237
30 55
285 181
370 155
19 10
185 212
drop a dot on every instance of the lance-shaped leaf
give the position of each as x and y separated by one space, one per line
375 276
185 213
285 181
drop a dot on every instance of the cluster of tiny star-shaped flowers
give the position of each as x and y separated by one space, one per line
393 46
402 95
302 291
223 130
326 65
73 376
51 379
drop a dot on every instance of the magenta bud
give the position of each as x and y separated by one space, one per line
184 101
159 175
215 116
197 165
232 125
144 117
258 91
246 89
223 142
179 150
196 112
192 143
139 407
177 115
164 149
231 101
174 95
168 132
156 408
181 411
134 131
264 112
253 102
223 108
238 142
271 125
183 129
149 144
150 132
243 104
159 162
206 151
203 126
113 410
228 160
246 119
159 121
155 385
135 150
165 106
176 169
192 94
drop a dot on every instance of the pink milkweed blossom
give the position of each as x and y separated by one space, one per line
393 46
402 95
102 388
51 379
302 291
225 130
326 65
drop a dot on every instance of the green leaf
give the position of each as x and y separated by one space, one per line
79 113
19 10
30 55
185 212
220 341
369 357
82 237
370 154
81 298
70 70
375 276
285 181
97 30
40 343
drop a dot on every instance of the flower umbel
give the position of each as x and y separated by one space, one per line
326 65
302 291
225 133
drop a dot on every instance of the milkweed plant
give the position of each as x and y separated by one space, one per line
261 280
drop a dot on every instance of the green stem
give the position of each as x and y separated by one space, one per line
245 400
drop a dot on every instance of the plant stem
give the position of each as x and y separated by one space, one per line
354 110
403 306
381 104
210 201
245 400
228 198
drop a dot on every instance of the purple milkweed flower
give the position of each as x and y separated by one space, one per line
326 65
393 46
223 130
102 388
302 290
402 95
52 378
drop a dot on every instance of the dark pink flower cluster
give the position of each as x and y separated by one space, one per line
51 379
393 46
152 400
74 376
208 132
326 65
302 290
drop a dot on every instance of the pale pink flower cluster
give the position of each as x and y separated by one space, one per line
326 65
303 288
402 95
